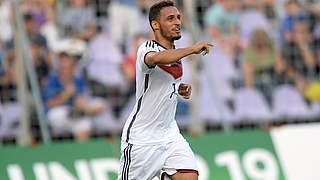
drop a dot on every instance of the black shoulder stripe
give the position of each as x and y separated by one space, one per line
147 43
152 44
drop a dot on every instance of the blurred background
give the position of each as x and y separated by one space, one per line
67 67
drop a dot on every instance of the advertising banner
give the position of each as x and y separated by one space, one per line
237 156
93 160
289 152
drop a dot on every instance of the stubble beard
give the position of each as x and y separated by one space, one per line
172 39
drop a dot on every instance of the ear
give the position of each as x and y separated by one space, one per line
155 25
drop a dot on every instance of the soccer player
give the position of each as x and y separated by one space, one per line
151 142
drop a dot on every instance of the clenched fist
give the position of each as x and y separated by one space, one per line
184 90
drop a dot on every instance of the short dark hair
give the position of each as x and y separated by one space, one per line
156 8
28 17
64 54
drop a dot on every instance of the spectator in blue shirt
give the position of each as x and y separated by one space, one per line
64 96
293 15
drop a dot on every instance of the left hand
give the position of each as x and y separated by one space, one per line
184 90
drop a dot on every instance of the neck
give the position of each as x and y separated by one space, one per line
164 42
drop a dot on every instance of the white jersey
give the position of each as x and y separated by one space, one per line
152 120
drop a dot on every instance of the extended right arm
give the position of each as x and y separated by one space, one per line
172 55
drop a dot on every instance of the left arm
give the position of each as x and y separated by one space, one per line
185 90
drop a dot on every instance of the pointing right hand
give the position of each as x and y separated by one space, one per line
202 47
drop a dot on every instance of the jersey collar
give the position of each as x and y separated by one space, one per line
161 45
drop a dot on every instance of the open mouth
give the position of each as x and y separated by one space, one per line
177 30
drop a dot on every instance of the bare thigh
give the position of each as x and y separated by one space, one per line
184 176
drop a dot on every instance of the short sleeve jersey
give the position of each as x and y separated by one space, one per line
152 120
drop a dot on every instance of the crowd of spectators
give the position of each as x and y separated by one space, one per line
84 55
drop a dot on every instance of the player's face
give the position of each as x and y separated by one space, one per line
170 23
